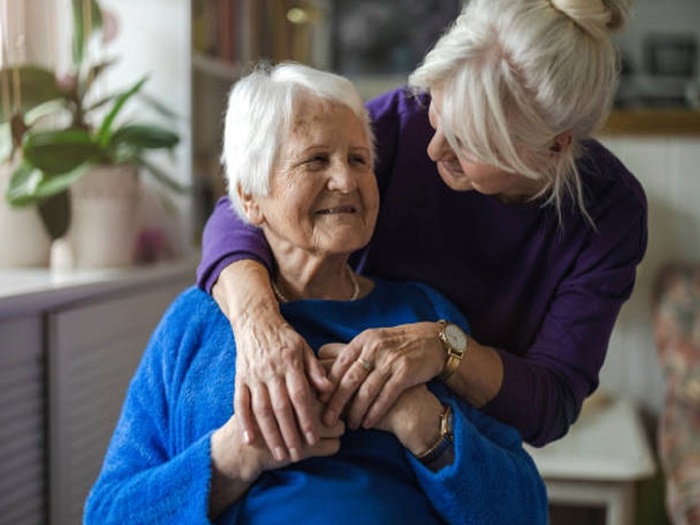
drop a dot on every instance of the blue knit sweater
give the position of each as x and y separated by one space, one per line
157 469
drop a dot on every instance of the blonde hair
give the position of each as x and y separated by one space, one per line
516 74
259 117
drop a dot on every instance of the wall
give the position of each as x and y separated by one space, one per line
669 169
154 38
659 17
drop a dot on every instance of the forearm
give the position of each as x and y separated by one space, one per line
535 399
243 293
488 461
227 239
479 377
234 468
136 491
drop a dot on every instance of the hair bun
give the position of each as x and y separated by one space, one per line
595 16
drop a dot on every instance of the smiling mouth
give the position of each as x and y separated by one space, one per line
337 210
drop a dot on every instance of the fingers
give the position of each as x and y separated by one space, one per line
317 373
267 422
241 406
305 422
357 372
369 413
365 398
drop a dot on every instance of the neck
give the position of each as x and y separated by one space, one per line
330 281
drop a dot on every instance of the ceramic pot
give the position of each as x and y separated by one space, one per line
24 240
102 233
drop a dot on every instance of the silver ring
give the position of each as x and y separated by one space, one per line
365 364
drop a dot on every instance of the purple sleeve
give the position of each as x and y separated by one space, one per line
544 390
226 239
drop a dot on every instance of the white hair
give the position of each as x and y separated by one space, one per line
259 116
516 74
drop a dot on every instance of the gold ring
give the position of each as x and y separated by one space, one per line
365 364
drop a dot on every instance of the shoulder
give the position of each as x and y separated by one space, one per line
398 104
608 181
192 317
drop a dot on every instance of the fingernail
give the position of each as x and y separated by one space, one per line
279 454
310 438
246 438
294 453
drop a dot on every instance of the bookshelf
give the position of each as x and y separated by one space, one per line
228 36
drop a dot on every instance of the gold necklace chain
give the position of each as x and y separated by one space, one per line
355 287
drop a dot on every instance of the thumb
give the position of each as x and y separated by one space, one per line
317 374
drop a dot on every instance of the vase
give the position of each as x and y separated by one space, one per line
24 241
102 233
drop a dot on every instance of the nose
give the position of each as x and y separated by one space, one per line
439 148
342 178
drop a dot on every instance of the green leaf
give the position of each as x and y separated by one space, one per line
37 85
31 186
55 214
145 137
81 35
60 151
160 108
5 142
105 131
54 184
22 188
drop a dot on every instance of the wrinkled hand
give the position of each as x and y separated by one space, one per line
372 371
274 368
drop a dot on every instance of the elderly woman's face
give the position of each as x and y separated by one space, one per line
323 193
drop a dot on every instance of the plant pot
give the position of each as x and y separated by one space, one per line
23 239
102 233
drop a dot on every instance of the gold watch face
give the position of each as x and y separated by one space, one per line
456 338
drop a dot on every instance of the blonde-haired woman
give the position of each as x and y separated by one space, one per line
529 225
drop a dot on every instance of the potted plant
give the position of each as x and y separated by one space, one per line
66 144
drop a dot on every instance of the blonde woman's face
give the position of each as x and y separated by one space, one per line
323 196
462 173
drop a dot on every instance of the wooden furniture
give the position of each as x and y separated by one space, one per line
69 344
599 462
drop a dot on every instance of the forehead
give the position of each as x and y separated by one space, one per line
310 114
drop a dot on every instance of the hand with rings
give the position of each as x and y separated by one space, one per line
364 363
371 372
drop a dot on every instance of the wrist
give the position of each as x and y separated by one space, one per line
423 430
444 441
243 292
455 344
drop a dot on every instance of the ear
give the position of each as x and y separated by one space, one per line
250 206
562 142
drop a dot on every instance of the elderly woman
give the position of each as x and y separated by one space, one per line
299 160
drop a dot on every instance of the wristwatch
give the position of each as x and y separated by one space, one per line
455 342
445 440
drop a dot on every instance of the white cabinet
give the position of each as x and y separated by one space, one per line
68 349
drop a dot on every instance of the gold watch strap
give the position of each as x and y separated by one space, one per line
443 442
451 366
453 358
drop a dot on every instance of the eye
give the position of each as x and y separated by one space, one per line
357 159
318 160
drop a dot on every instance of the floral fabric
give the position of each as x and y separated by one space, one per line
677 330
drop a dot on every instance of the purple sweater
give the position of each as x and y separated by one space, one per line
545 296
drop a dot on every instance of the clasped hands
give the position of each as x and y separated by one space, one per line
292 399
